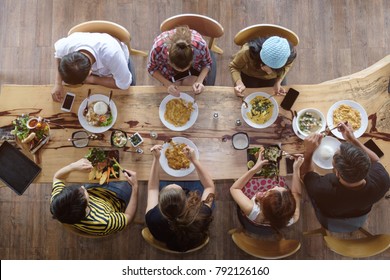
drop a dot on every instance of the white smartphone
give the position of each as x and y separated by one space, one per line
68 102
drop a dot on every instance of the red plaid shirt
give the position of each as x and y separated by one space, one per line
158 58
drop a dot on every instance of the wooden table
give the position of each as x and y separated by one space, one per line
138 111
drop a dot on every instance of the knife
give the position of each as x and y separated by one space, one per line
42 142
120 167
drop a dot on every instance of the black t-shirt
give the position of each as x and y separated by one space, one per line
159 227
337 201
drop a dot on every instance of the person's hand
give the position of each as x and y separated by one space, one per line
239 89
156 151
198 88
57 93
174 90
278 90
132 179
82 165
347 131
312 142
298 162
190 153
259 164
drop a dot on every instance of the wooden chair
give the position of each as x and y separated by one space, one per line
365 247
265 30
163 247
204 25
114 29
264 249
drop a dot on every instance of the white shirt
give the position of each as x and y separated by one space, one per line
111 55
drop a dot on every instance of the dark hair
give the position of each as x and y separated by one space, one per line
278 208
180 50
255 46
69 205
352 163
74 68
190 225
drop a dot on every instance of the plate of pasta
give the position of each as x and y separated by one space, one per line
262 110
173 160
351 111
100 117
178 113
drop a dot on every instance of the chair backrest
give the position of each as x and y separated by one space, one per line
204 25
345 224
112 28
162 246
265 30
265 249
365 247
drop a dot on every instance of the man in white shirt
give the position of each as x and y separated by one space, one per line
92 58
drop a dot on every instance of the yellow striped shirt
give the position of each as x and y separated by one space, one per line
106 214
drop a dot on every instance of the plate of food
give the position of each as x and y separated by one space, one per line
104 167
31 132
178 113
262 110
323 155
309 121
272 153
100 117
173 161
351 111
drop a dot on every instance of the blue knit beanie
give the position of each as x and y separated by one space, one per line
275 52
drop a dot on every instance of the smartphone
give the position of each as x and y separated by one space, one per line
289 99
289 165
68 102
373 147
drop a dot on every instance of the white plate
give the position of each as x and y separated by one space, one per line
246 110
191 121
295 128
355 105
323 155
164 162
97 129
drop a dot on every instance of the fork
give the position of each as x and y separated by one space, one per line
244 103
109 101
86 105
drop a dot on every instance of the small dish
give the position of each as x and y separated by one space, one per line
240 141
309 121
136 139
32 123
323 155
118 138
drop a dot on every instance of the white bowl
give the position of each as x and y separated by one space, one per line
315 113
323 155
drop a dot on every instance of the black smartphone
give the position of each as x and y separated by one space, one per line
289 165
374 147
289 99
68 102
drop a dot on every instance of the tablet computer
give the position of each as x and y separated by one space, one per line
17 171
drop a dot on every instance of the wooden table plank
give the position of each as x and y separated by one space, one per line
138 111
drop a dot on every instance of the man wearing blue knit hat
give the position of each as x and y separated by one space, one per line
262 62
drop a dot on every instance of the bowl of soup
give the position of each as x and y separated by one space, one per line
309 121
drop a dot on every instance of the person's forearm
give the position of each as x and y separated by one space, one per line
108 82
159 77
296 183
63 172
202 75
153 182
373 157
131 208
204 176
58 78
240 182
307 165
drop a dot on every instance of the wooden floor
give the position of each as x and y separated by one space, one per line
338 38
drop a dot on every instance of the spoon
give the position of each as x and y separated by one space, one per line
86 105
109 101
